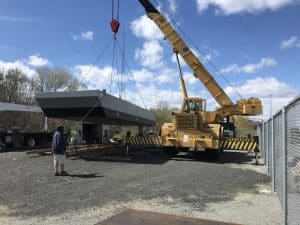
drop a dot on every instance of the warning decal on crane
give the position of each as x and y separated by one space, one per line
239 143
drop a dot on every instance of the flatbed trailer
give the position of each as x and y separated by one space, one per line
24 140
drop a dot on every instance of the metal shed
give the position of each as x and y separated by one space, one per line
4 106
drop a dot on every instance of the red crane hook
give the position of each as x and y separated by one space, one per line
115 24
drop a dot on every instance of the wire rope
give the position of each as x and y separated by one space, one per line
130 72
95 62
201 52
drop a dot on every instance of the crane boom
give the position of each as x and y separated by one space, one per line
189 57
250 106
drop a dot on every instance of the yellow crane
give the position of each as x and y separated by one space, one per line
194 127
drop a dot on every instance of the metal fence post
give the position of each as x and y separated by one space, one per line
273 154
284 180
267 145
262 147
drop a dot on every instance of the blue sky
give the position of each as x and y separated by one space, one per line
255 43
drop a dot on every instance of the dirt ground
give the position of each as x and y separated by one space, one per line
230 189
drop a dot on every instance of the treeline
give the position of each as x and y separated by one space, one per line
19 88
163 114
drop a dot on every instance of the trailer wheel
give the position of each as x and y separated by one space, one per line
31 142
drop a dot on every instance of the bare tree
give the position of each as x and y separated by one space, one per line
17 87
163 105
56 79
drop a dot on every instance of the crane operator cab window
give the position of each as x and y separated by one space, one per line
196 105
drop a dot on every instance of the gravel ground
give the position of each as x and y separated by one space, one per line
230 189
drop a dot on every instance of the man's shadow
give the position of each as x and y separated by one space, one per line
90 175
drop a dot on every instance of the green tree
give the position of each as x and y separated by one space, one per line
244 126
163 114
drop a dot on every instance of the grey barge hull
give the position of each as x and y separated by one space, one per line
93 106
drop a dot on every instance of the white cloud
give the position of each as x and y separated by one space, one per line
152 95
150 55
250 68
84 36
229 7
18 64
190 79
36 61
258 87
97 78
173 4
292 42
15 19
147 81
100 78
281 92
181 60
143 75
212 54
167 75
27 66
145 28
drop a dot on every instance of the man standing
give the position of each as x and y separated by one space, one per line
2 127
59 150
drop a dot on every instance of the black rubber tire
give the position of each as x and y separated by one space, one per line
212 153
171 151
31 142
183 149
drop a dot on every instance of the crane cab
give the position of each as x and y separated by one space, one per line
195 105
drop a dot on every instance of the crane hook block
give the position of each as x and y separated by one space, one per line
114 24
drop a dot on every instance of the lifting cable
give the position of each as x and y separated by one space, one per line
113 9
114 70
131 74
90 69
123 67
114 24
95 62
118 76
112 65
201 52
209 61
114 27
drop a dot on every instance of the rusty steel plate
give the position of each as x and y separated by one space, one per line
139 217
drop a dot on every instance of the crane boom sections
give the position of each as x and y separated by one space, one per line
187 54
251 106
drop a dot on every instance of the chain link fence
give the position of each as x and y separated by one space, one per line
280 145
